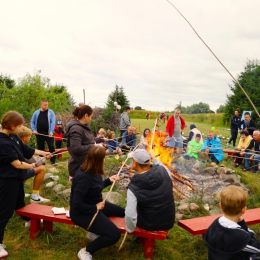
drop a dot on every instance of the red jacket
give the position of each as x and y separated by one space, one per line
58 133
170 125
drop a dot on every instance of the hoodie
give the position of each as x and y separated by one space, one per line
79 141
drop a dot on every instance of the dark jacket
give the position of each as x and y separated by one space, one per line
249 126
235 123
253 145
11 149
228 243
79 141
155 202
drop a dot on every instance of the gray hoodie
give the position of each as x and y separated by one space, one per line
79 141
124 121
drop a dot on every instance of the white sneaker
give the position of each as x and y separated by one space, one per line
36 198
84 255
92 236
3 252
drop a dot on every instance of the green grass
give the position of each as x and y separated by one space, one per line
66 240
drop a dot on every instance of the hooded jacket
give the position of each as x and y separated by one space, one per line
125 121
11 149
79 141
231 243
155 202
215 146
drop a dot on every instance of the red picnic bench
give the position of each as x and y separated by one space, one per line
199 226
37 212
230 153
59 151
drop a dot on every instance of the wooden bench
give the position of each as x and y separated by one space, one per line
37 212
230 153
199 226
59 151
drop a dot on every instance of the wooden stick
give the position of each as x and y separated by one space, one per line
123 241
152 139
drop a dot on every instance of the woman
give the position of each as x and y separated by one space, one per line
80 138
235 125
13 168
143 139
244 142
86 200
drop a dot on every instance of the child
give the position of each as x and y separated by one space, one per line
228 237
101 134
194 147
12 168
112 144
58 133
38 172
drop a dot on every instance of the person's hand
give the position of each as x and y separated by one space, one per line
251 157
50 134
33 166
100 205
35 132
242 154
114 178
47 155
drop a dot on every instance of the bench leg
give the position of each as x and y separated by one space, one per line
48 226
35 228
148 245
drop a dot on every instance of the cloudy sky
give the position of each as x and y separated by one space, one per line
143 45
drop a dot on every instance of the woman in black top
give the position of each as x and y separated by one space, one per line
86 200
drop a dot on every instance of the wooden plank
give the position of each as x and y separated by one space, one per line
198 226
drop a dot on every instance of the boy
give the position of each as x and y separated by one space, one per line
228 237
194 147
58 134
38 172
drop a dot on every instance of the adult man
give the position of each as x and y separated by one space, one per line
174 126
128 139
253 154
150 202
124 122
42 125
212 149
248 124
235 125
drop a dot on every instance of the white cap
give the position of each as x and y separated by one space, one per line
141 156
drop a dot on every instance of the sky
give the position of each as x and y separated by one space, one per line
144 46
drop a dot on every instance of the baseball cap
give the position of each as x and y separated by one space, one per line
59 123
140 156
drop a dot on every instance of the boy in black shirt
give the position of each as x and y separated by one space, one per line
228 237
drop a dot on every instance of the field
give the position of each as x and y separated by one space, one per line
66 240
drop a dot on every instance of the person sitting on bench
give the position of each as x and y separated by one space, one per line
38 172
128 139
228 237
86 200
150 202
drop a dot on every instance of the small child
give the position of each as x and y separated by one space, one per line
101 133
58 133
194 147
38 172
228 237
112 144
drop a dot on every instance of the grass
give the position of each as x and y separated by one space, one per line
66 240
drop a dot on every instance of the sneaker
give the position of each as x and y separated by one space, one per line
36 198
236 165
54 164
228 144
84 255
27 223
92 236
3 252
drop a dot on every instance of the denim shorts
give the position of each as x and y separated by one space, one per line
175 141
28 174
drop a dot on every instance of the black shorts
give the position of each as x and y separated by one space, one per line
213 158
28 174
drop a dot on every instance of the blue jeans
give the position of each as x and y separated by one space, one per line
256 161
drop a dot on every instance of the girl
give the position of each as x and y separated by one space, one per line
112 144
80 138
143 139
86 200
12 169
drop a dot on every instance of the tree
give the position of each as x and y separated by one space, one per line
7 81
221 109
25 97
249 79
138 108
118 95
200 108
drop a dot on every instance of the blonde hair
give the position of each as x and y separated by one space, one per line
109 134
25 131
233 200
101 131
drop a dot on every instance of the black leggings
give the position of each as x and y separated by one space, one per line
41 139
11 198
102 226
233 137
